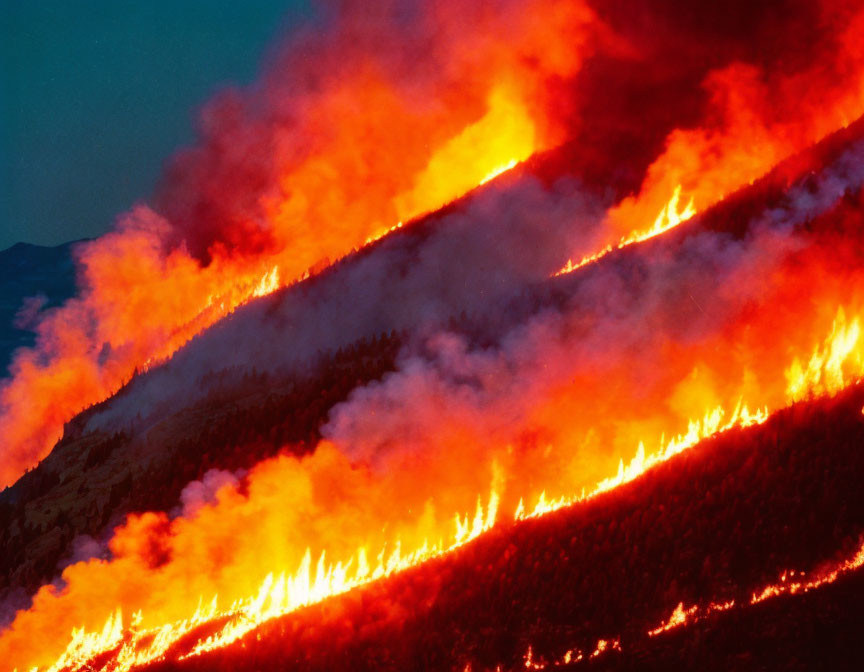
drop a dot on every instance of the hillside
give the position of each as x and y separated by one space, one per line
616 567
497 336
235 415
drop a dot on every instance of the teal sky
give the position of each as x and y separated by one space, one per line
96 94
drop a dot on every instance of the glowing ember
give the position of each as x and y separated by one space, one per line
571 656
785 586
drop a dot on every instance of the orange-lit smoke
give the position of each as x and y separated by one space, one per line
755 119
349 134
406 454
558 411
352 133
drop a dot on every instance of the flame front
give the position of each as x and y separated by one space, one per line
670 216
360 159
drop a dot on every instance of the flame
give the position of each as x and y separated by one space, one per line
670 216
506 134
277 593
276 596
678 618
84 646
681 617
714 422
500 170
834 364
571 656
784 586
268 284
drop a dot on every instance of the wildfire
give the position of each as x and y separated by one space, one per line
277 596
365 154
834 364
669 217
283 594
785 586
268 284
506 134
153 304
714 422
500 170
280 593
679 617
571 656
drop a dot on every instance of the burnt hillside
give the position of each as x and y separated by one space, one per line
241 415
716 523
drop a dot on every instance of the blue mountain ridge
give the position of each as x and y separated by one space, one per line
46 274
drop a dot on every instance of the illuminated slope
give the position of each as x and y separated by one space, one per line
531 497
715 524
366 124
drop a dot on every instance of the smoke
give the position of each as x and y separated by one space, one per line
200 493
509 236
479 261
382 112
644 341
356 125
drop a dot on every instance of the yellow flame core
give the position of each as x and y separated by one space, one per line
835 363
669 217
482 151
503 137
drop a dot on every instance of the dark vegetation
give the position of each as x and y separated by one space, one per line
243 418
713 524
820 630
535 582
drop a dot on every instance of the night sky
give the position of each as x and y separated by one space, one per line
96 94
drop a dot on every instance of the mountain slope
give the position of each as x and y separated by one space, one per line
231 416
715 524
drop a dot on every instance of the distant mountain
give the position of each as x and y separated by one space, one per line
32 277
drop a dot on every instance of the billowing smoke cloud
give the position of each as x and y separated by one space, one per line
644 341
479 260
504 239
395 108
388 111
203 492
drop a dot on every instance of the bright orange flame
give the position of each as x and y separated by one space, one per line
277 596
714 422
670 216
834 364
571 656
503 137
359 154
